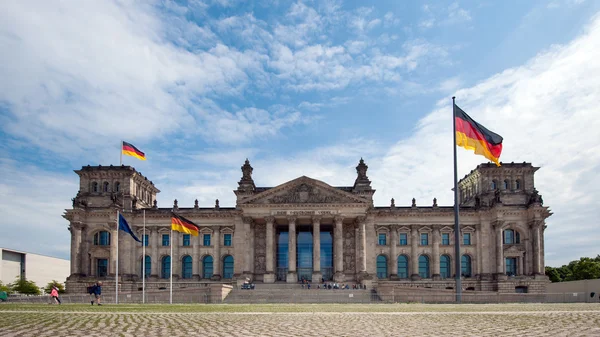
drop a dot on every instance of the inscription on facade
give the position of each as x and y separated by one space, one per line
286 213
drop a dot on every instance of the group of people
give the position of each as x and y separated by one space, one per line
330 285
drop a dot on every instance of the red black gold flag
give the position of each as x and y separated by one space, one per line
131 150
183 225
474 136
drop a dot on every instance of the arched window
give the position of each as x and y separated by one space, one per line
445 266
94 187
228 267
166 267
207 267
506 184
102 238
402 266
518 184
511 237
117 186
382 267
465 266
105 188
146 266
424 266
186 267
494 185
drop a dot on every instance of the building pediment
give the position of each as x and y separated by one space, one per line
304 190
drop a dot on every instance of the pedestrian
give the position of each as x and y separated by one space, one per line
96 293
54 295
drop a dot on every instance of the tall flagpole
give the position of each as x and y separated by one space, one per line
117 263
171 266
144 260
121 154
457 257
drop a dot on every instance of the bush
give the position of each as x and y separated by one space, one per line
5 288
54 283
23 286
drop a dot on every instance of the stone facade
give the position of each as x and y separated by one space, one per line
267 237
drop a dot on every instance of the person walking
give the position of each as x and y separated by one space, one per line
54 295
96 293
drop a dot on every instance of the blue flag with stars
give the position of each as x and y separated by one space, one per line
124 226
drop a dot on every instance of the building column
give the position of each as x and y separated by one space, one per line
414 258
499 248
478 244
436 253
155 259
269 277
292 276
317 275
84 254
195 258
394 251
247 258
113 248
217 250
535 231
339 249
175 258
75 229
362 226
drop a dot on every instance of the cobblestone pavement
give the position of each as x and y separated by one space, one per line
543 320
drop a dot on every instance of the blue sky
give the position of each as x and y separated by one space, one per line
299 88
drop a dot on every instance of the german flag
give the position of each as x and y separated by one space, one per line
131 150
474 136
183 225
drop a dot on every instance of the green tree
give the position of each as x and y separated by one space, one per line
583 269
54 283
586 269
5 288
23 286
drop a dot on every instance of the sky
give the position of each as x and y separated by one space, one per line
298 88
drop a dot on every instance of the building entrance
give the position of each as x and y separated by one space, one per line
304 253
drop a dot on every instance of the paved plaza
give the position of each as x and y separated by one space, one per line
301 320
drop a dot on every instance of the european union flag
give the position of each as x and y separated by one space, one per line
124 226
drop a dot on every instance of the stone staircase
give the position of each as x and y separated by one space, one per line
294 293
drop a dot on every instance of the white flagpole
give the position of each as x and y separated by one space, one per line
121 154
144 261
171 266
117 263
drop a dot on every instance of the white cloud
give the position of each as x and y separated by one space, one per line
71 76
546 110
32 202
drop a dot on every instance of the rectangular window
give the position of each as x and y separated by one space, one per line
445 239
424 239
466 239
403 239
511 266
207 239
382 239
102 269
186 240
165 240
227 240
146 240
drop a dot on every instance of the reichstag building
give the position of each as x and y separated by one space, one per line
305 229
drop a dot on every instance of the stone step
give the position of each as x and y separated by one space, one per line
274 295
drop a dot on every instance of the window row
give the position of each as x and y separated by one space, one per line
424 239
105 187
186 267
424 266
506 184
102 238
